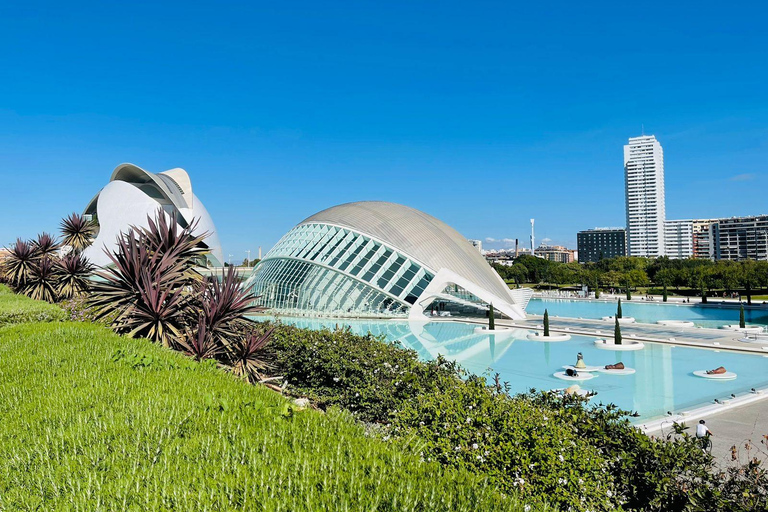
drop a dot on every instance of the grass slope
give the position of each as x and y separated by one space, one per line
18 308
93 421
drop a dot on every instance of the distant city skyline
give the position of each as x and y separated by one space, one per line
484 116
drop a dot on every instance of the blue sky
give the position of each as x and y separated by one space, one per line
483 114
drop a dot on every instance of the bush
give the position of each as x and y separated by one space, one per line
359 373
15 309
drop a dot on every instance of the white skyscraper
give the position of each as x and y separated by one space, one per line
644 187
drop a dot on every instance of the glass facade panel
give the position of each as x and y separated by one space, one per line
323 269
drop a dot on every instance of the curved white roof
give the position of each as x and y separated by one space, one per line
428 240
132 194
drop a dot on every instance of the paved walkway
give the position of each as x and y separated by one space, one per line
739 431
719 339
747 423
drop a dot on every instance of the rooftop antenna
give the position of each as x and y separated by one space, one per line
533 251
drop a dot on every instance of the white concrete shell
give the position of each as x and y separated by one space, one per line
132 194
376 258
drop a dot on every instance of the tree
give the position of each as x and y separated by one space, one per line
742 323
546 323
618 310
664 277
616 332
491 321
748 277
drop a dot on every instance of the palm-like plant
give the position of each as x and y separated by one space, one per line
224 306
149 292
247 356
18 264
72 275
77 232
151 285
199 343
41 284
45 246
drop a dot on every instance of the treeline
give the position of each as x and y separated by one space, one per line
628 273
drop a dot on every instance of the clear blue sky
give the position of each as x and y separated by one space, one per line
484 114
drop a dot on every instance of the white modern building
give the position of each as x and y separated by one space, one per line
378 259
644 188
133 195
678 239
740 238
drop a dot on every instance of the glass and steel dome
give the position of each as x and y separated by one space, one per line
373 258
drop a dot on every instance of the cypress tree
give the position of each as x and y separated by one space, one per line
491 324
664 294
617 333
546 323
597 292
629 293
703 293
742 323
618 310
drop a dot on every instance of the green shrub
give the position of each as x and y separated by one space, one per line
15 309
359 373
546 323
96 421
524 447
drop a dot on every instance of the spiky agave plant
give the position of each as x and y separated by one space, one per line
45 246
18 264
41 284
77 232
198 342
150 288
173 241
224 306
72 275
247 356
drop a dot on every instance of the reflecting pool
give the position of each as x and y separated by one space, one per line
648 312
663 381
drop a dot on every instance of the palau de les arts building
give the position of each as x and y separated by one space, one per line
379 259
132 195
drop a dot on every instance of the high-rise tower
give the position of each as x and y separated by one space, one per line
644 187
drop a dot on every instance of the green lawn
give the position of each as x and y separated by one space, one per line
92 421
17 308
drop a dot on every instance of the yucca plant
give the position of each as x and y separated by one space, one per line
45 246
72 275
198 342
77 232
224 306
172 241
41 284
248 357
149 292
152 284
18 264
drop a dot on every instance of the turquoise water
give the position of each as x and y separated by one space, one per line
663 381
704 316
